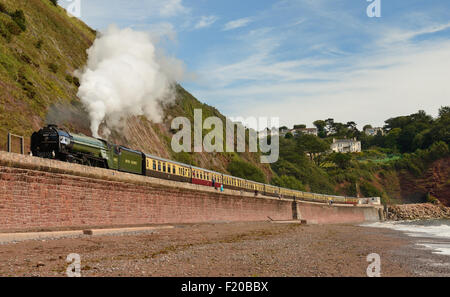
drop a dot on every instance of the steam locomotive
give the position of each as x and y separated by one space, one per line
54 143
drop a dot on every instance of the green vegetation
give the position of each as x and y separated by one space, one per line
410 144
29 87
54 68
246 170
19 18
39 44
289 182
294 162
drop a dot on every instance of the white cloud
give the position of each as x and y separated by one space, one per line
205 21
237 24
396 35
366 87
171 7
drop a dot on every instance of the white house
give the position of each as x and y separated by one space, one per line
309 131
374 131
346 145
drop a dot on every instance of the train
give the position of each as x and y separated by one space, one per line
52 142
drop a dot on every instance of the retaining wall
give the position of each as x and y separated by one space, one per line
40 193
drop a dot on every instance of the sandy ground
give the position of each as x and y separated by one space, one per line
228 249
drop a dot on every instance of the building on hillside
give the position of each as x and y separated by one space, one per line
309 131
346 145
299 131
283 132
374 131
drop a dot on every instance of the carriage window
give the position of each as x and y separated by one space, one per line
154 165
174 170
169 169
159 166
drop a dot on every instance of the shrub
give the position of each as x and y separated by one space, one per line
53 67
76 81
343 161
288 182
4 32
246 170
182 157
39 44
19 18
369 190
2 7
25 58
432 199
350 190
13 28
69 79
27 86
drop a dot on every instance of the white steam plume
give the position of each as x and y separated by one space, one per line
126 75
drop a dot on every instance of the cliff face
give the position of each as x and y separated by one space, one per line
37 85
438 181
404 187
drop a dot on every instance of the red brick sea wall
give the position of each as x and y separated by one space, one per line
39 193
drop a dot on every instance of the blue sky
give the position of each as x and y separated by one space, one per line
299 60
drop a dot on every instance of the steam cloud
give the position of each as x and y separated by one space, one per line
126 75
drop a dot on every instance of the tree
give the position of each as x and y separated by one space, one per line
441 128
351 125
367 127
390 140
313 145
444 111
320 125
55 2
343 161
330 126
301 126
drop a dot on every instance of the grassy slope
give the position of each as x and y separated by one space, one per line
25 70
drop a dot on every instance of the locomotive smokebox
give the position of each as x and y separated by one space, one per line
46 143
